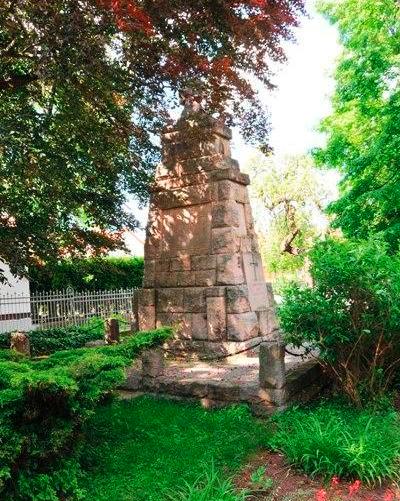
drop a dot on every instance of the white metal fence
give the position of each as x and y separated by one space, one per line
42 310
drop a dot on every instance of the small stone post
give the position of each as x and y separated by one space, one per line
272 375
153 364
20 343
112 331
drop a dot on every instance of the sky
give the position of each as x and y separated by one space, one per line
301 99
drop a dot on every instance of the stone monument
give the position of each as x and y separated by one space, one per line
203 271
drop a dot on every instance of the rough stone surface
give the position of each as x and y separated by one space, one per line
272 366
20 343
232 380
242 326
153 363
201 248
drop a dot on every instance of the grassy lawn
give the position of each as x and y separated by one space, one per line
145 448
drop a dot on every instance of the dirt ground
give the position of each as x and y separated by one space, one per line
291 485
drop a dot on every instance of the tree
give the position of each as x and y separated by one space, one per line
85 86
363 131
288 196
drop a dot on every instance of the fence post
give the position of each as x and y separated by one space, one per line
20 343
112 331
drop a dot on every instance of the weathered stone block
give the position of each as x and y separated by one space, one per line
242 326
237 299
20 342
111 331
216 291
153 363
166 279
149 273
147 318
146 297
181 263
207 262
225 214
162 265
199 326
272 365
216 318
194 300
170 300
205 278
229 269
268 322
182 323
185 278
225 241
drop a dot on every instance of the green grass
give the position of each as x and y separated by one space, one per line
331 439
141 450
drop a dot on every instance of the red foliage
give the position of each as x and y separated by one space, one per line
212 44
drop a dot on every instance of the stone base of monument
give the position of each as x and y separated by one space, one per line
233 380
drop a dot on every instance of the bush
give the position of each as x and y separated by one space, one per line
209 486
105 273
43 405
44 342
350 316
336 440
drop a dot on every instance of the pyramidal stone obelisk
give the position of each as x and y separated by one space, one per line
203 271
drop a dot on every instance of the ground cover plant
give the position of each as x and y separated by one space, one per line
148 449
43 406
350 316
46 341
333 439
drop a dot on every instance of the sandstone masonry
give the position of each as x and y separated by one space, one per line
203 270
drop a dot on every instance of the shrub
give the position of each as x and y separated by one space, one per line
337 440
209 486
44 342
43 405
105 273
350 316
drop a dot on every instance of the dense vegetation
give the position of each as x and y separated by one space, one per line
89 274
350 315
146 449
44 405
86 86
364 130
46 341
333 439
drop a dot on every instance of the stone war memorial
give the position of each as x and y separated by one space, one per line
204 276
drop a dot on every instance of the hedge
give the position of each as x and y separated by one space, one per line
106 273
43 406
44 342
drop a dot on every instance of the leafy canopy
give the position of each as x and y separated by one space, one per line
84 89
364 130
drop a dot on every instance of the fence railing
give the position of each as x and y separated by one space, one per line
42 310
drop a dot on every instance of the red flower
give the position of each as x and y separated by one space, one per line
335 481
389 496
354 487
321 495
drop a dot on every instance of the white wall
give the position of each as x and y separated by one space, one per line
14 311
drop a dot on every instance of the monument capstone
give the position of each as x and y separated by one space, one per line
203 270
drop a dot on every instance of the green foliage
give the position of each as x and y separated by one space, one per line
85 89
89 274
260 480
350 316
44 342
363 130
337 440
43 405
287 197
209 487
147 448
